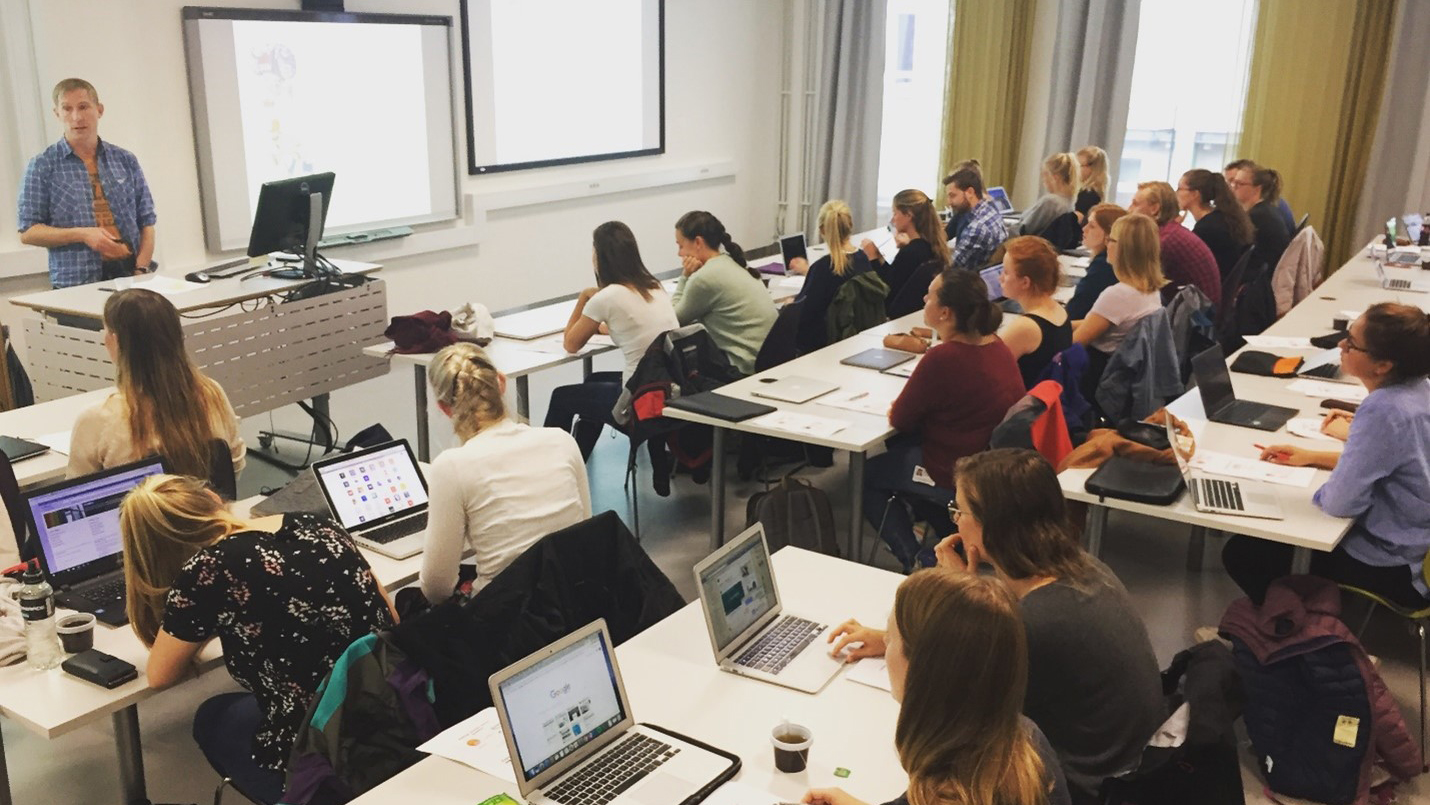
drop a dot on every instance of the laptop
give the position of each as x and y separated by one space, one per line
1325 365
1000 199
76 524
993 278
1220 402
16 449
1418 281
572 739
792 246
1223 496
528 325
749 630
379 496
791 389
878 359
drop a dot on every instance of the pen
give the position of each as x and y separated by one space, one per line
1263 447
861 395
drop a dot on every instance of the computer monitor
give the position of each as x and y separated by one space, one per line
290 218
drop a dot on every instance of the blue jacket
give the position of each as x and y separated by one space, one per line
1142 374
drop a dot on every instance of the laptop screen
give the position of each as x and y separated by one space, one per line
372 486
993 278
792 246
561 703
1213 380
77 522
1000 199
738 590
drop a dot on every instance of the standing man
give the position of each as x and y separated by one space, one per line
86 200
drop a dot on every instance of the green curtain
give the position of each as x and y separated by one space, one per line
1318 71
987 86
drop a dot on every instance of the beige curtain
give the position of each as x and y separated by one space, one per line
987 86
1313 93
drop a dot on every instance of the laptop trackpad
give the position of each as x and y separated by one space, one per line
662 789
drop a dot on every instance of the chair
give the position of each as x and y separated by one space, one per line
221 474
779 347
1141 375
15 509
1191 314
910 296
1064 232
1417 617
1301 224
1036 422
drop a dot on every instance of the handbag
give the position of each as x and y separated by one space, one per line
1126 479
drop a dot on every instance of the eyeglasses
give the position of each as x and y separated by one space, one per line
1350 344
1112 240
954 513
1236 183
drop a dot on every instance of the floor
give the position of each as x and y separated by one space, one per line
1150 557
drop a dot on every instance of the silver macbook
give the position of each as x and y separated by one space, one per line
1223 496
379 495
1417 281
751 634
791 389
571 737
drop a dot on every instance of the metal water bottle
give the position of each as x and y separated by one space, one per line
37 608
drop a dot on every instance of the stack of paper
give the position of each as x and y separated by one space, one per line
1333 391
865 402
803 424
1277 342
1252 469
1308 427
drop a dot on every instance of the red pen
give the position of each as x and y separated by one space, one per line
1278 453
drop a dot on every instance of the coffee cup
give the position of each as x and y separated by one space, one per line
76 632
791 743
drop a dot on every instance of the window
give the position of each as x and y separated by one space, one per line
915 69
1188 89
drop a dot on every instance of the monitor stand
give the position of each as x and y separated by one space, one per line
309 269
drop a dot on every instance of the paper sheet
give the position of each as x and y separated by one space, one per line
792 284
555 344
865 402
806 424
1277 342
58 442
1309 428
905 369
871 671
168 286
738 793
1252 469
1334 391
477 742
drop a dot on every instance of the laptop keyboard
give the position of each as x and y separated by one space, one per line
1222 494
104 595
617 769
397 529
1397 285
1243 409
773 651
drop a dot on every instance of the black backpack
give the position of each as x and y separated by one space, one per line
794 513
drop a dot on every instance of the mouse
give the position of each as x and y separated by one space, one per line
198 276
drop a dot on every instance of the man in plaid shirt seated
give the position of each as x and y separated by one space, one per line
985 230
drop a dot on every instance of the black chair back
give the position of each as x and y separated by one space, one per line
221 474
911 294
15 509
779 345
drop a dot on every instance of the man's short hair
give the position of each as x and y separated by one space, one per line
1238 164
70 85
967 179
1165 197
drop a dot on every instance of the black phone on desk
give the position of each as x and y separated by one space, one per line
102 669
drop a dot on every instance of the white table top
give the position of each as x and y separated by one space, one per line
42 419
853 724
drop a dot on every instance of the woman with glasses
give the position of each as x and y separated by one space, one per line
1381 477
1221 222
1091 179
1258 189
1099 276
1094 687
1135 252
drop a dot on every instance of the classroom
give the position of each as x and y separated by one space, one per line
1004 353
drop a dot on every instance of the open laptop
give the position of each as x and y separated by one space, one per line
76 523
791 389
1221 495
17 449
1000 199
749 630
379 496
572 739
1219 400
1418 280
993 278
792 246
1326 365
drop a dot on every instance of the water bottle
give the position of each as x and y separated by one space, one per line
37 607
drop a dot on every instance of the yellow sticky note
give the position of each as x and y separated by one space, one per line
1347 727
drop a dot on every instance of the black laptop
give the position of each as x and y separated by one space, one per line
16 449
1220 402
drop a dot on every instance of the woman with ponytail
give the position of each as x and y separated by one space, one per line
1222 224
505 487
1059 179
1091 179
827 275
958 667
919 236
717 290
285 596
960 390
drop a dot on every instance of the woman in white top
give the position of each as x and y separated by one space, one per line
1135 252
629 305
1059 182
508 484
162 404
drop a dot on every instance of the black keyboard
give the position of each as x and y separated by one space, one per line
397 529
1222 494
621 766
1243 409
109 594
775 648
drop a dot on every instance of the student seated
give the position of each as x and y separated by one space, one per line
1091 179
958 667
826 276
1030 277
960 390
718 291
507 485
1382 476
918 235
958 214
162 403
1058 181
1099 277
1094 687
1258 189
1221 222
284 595
1283 209
985 231
1186 260
629 305
1133 251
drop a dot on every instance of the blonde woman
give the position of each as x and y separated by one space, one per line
958 667
1091 179
919 236
507 485
162 403
1134 250
285 596
1059 182
826 276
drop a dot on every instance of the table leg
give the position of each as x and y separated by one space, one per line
1196 547
131 755
523 399
5 796
1301 561
856 504
1096 522
588 365
717 488
424 445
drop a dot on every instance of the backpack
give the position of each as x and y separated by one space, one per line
794 513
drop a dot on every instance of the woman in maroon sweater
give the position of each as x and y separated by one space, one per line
959 392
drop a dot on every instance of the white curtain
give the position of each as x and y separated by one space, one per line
22 107
849 104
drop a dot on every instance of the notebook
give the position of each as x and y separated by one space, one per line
878 359
719 406
379 496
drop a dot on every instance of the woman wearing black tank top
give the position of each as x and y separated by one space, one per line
1030 276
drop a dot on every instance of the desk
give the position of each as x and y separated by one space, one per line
853 724
42 419
52 703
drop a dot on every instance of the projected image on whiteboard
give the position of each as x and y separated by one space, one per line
576 82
